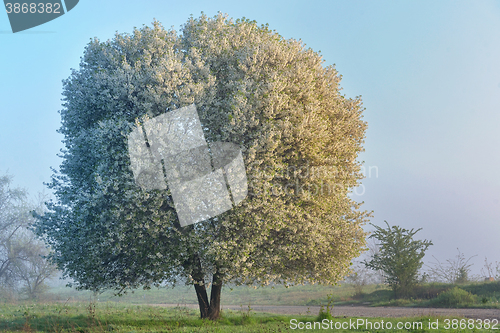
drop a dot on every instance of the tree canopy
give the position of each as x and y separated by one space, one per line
400 257
273 97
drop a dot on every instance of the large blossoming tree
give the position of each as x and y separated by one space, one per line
274 98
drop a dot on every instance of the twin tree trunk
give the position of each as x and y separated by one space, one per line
210 310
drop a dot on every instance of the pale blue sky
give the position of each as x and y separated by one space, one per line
428 73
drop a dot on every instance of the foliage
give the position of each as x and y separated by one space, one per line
22 265
400 257
425 295
484 288
324 315
455 297
429 290
455 270
272 97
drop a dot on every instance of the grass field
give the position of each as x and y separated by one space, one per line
117 317
67 310
471 295
479 295
241 295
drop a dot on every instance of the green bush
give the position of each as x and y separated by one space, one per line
483 289
429 291
455 297
324 315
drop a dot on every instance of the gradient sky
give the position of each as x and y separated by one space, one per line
428 73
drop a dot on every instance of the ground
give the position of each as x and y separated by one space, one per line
362 311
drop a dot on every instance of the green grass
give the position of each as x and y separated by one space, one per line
71 311
237 295
113 317
485 295
470 295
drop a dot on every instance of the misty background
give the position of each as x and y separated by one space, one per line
428 73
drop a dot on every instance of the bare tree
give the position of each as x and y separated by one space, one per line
12 218
490 270
360 277
376 277
456 270
23 266
34 269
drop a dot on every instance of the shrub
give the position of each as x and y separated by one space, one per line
483 289
429 291
454 298
400 258
323 315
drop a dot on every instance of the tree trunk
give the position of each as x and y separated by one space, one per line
214 310
193 265
207 310
210 310
201 293
200 288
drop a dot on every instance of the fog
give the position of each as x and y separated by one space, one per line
428 73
